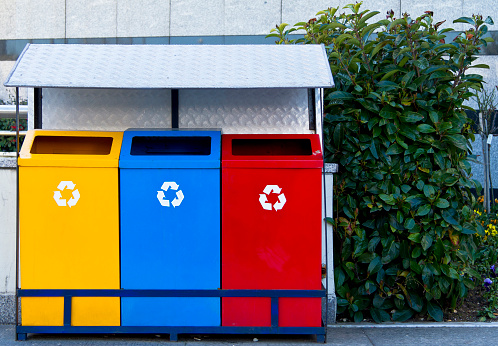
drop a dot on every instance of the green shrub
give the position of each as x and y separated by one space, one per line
395 122
8 143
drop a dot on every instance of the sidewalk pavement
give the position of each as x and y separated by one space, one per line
464 333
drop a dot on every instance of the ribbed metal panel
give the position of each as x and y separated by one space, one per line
106 109
245 110
171 66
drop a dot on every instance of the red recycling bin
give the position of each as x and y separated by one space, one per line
271 226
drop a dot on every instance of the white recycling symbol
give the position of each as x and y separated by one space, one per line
161 197
264 200
58 196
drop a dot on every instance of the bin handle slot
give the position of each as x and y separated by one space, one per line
71 145
271 147
162 146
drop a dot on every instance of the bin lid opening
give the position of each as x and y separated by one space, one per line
72 145
162 146
271 147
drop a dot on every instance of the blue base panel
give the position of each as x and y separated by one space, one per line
164 312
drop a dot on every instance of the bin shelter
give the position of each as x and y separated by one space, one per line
68 195
170 225
235 88
271 226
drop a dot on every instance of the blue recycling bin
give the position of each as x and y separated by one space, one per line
170 225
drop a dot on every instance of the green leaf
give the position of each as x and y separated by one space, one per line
409 223
480 66
448 216
368 16
342 37
387 85
449 272
337 136
372 244
415 267
379 315
434 311
377 48
387 198
411 117
340 95
415 237
342 302
459 141
388 112
358 316
421 63
439 249
402 315
429 191
466 20
435 117
442 203
367 257
394 149
425 128
424 210
339 276
415 301
373 149
426 241
389 74
416 252
375 265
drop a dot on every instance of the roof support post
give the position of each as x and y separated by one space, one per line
174 109
37 116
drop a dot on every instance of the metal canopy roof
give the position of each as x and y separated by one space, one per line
171 66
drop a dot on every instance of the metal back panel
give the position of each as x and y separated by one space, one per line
106 109
246 110
232 110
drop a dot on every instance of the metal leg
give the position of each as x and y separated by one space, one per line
22 336
173 337
320 338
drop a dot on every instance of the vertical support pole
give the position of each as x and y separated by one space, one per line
311 109
329 303
68 307
37 116
274 313
329 170
18 336
175 118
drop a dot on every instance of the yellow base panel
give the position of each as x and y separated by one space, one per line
86 311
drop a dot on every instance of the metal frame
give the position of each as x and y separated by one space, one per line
17 211
173 331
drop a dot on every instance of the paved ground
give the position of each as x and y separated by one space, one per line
369 334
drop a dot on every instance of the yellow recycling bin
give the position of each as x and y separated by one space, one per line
69 224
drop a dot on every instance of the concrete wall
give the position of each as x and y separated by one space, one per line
51 19
478 169
7 239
